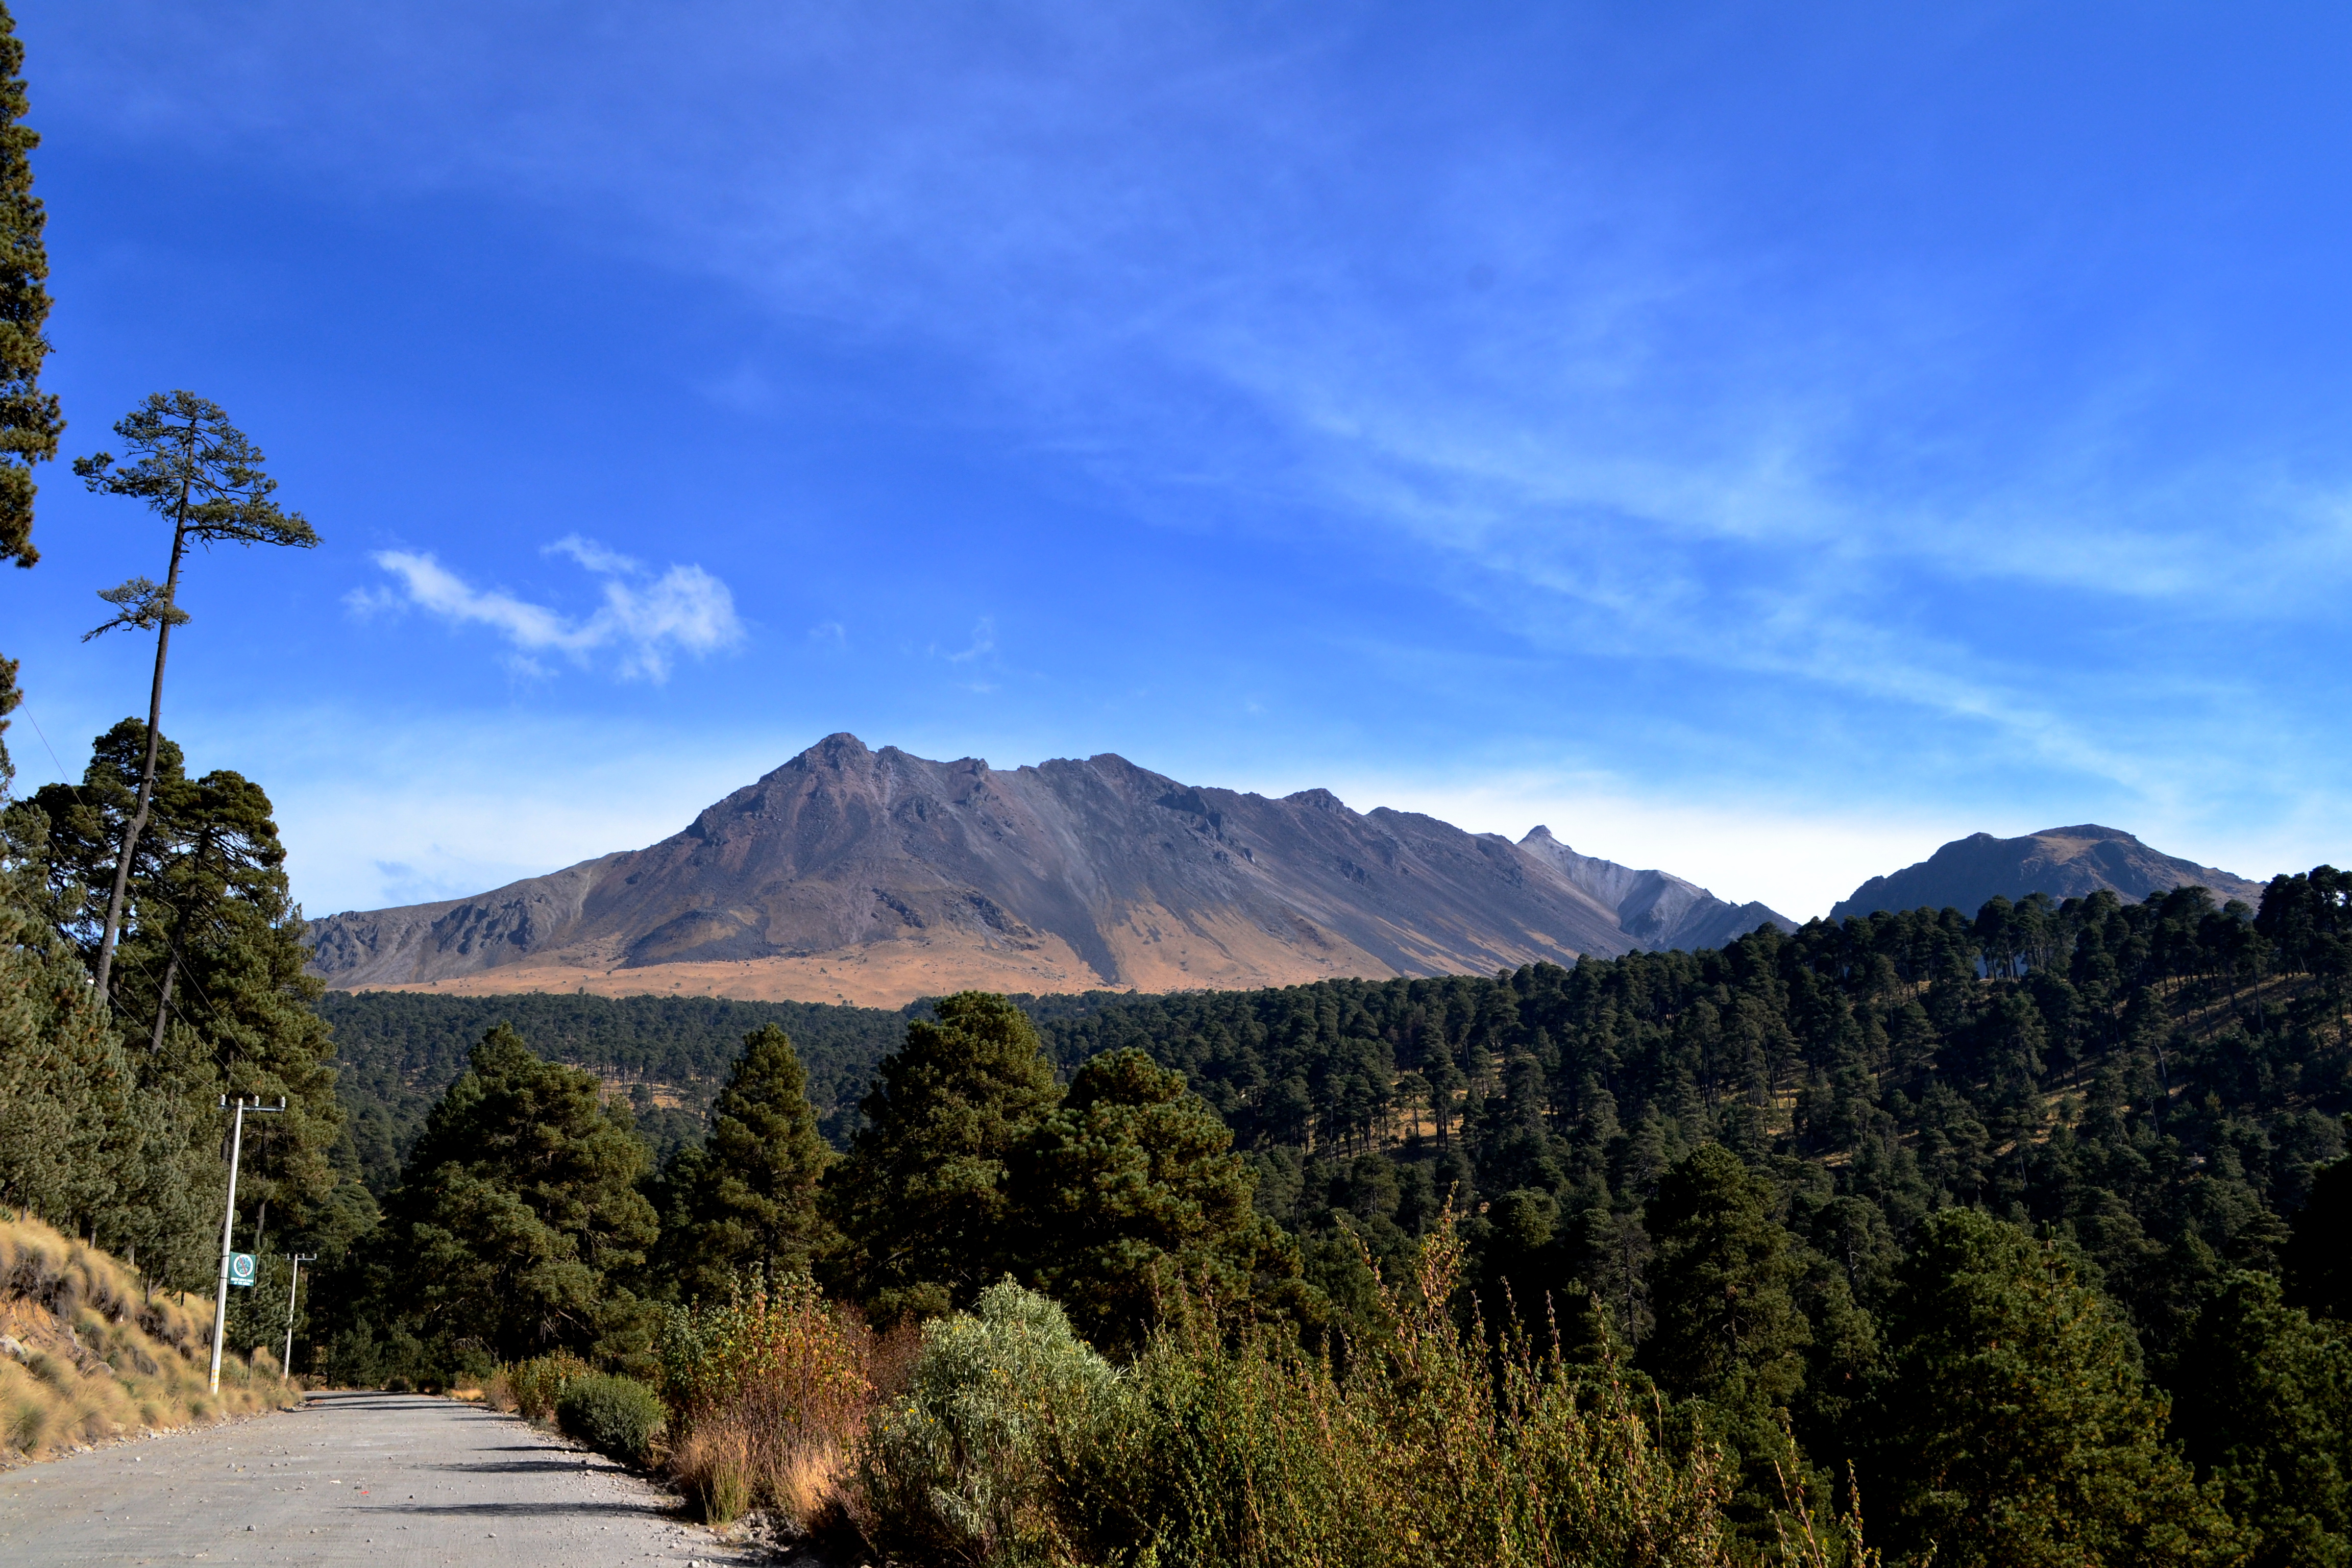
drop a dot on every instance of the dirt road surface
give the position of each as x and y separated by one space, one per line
395 1481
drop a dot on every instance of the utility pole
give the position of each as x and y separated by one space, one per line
228 1221
285 1367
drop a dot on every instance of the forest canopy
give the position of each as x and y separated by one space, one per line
1827 1195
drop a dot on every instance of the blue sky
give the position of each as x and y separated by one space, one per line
1761 444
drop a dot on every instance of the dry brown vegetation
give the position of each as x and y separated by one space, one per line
772 1393
89 1356
998 1437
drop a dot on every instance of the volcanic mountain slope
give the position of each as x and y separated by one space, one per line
2064 862
1658 911
877 877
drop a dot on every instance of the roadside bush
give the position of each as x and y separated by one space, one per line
497 1390
958 1470
1436 1450
618 1417
538 1384
771 1391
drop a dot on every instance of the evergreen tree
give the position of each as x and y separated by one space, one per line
2319 1248
29 421
2015 1426
517 1226
193 466
746 1199
2264 1408
1720 1280
1728 1338
1127 1198
920 1202
211 996
71 1144
11 696
44 1022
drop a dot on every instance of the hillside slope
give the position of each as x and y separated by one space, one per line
2064 862
86 1355
878 876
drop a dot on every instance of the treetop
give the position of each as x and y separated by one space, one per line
190 464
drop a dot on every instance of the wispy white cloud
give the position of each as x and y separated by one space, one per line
1536 362
983 642
595 556
645 621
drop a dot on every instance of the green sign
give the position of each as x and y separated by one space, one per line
240 1269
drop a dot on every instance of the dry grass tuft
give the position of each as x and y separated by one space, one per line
1432 1447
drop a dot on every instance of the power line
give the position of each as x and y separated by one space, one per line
62 776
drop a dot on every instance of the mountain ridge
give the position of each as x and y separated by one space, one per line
854 874
2064 862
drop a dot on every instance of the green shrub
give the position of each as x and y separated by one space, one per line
537 1384
616 1416
956 1470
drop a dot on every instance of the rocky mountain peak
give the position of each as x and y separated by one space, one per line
902 875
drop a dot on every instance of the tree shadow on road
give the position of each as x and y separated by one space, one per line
521 1466
650 1508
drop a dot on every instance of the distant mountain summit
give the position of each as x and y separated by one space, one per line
2064 862
876 877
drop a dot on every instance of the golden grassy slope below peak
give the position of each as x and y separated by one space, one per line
1151 949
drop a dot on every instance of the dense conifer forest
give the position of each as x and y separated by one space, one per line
2157 1082
1828 1200
397 1052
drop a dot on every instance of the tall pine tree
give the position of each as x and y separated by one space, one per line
517 1226
211 997
1128 1200
30 423
1727 1321
34 1000
920 1202
745 1201
1728 1338
200 472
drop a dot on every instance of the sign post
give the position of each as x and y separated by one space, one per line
229 1225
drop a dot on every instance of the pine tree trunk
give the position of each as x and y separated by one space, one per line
164 997
147 772
171 957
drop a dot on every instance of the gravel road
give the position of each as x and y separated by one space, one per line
379 1479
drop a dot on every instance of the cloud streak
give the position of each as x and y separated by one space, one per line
1982 441
643 622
